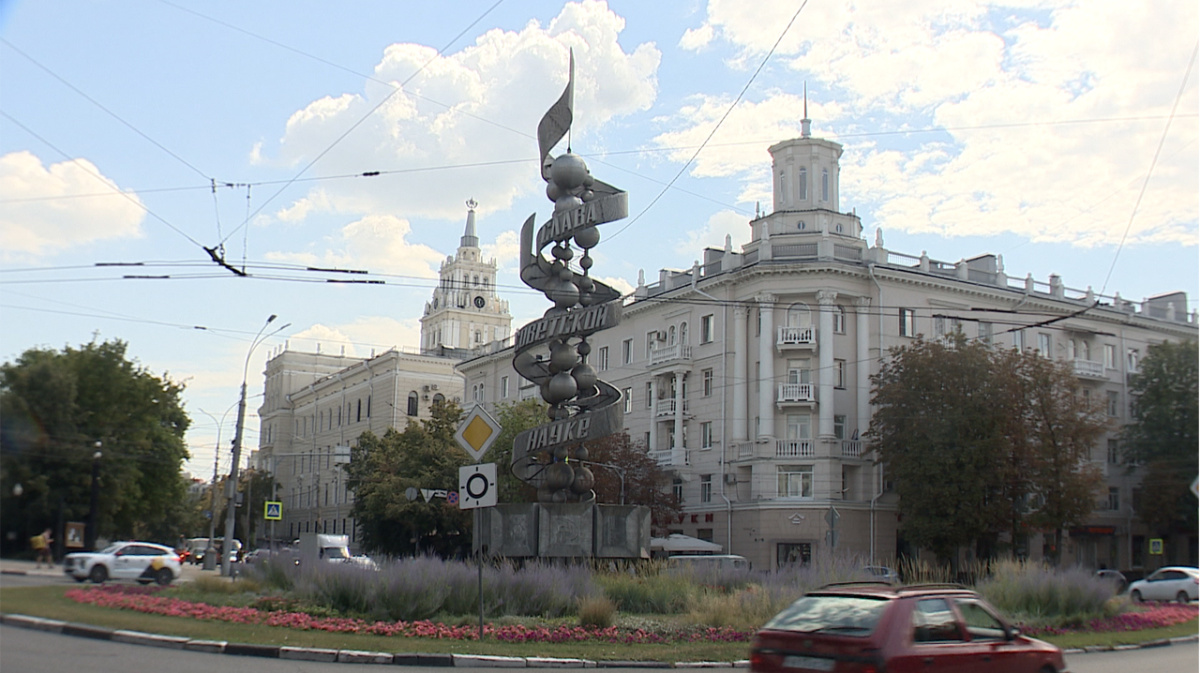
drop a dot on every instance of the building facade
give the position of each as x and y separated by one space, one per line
316 405
748 375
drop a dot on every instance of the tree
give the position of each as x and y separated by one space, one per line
382 469
645 481
57 409
514 418
982 441
1163 436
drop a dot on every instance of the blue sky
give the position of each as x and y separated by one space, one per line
1062 135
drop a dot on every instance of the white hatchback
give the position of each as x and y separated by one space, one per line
1172 583
144 562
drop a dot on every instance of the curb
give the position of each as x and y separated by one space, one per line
338 656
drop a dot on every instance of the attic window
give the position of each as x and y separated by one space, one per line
801 225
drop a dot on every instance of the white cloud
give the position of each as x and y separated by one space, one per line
376 243
505 249
712 235
462 112
619 284
69 204
695 39
366 335
1010 82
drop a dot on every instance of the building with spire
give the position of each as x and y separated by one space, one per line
316 405
748 375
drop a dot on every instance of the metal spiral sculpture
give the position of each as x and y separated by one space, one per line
552 351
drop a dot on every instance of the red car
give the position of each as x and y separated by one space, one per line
879 628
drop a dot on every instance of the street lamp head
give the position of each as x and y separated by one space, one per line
271 319
97 455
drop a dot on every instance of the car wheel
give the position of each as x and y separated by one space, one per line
1182 597
1136 596
98 574
164 576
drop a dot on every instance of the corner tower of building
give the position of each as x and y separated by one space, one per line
465 311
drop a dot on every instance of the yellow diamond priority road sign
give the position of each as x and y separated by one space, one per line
477 432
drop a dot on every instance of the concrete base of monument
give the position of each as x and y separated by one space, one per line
579 530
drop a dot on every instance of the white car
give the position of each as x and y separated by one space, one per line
1172 583
144 562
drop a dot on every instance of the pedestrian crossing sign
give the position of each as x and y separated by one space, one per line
273 510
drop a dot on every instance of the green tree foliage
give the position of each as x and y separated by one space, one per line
381 469
646 482
514 418
54 408
981 442
1163 436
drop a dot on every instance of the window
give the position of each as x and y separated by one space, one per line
706 488
939 325
839 320
1045 345
1133 359
651 337
839 426
649 394
802 189
412 403
1113 403
783 190
795 481
1018 338
934 622
706 382
1110 356
908 322
683 333
627 393
839 373
799 426
706 329
503 386
358 412
1114 498
793 554
1114 452
677 488
824 184
799 371
706 435
985 332
980 623
627 352
602 359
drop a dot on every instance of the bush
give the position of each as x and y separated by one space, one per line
663 593
1038 596
596 612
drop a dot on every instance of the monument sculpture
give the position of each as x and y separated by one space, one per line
552 352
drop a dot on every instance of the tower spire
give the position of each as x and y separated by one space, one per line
469 239
806 123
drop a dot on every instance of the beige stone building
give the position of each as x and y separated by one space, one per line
316 405
749 374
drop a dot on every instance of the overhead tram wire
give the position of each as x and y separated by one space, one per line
364 118
721 121
1187 75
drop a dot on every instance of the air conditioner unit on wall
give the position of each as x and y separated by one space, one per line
730 478
433 386
425 388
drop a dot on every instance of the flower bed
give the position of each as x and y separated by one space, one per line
143 599
1144 617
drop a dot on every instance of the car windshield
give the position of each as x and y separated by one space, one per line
846 615
336 553
111 549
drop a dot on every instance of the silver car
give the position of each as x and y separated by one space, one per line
144 562
1172 583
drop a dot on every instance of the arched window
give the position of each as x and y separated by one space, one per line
802 189
824 184
799 315
839 319
412 403
683 333
782 187
671 335
439 399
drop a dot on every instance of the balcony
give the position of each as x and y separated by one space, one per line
795 393
1086 369
671 457
796 337
662 355
852 448
794 448
666 408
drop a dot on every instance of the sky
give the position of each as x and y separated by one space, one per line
135 135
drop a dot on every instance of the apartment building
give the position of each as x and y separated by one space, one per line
748 375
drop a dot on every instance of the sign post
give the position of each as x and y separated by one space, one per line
477 483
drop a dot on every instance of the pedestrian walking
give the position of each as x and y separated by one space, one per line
41 547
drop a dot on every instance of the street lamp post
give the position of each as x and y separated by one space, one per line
231 512
210 556
94 507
